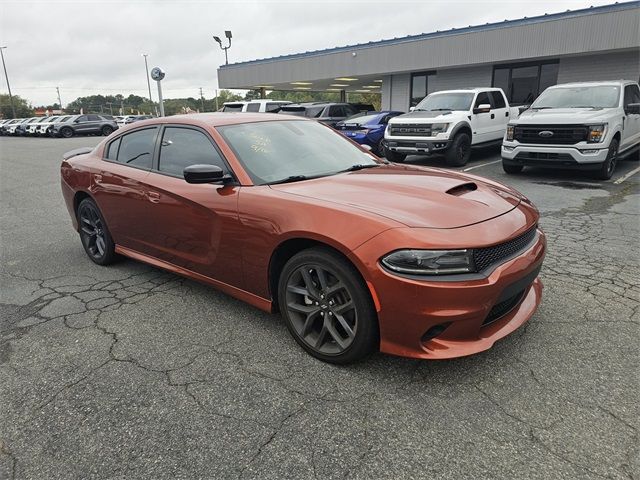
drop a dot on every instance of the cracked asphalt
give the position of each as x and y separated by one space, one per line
132 372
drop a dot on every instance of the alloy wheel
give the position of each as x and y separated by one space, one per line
321 309
92 231
613 158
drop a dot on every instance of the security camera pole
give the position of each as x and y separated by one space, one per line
227 33
157 74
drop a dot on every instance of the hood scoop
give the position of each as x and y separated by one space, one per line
462 189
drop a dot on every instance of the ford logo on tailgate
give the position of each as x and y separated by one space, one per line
545 133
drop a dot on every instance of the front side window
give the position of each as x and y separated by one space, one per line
482 99
136 148
182 147
253 107
275 151
631 95
93 118
602 96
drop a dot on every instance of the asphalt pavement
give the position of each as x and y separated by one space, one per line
132 372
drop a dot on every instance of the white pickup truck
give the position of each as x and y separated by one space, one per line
586 125
450 122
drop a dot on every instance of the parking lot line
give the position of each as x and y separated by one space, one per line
481 165
626 176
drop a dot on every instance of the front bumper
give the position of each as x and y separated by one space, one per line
413 145
584 156
476 313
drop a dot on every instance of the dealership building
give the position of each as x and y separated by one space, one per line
522 56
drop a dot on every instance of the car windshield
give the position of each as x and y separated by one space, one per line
446 101
362 119
601 96
273 152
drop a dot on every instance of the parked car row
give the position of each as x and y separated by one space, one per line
60 126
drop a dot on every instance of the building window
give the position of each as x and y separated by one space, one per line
421 85
523 83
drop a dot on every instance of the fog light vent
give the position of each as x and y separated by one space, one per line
433 332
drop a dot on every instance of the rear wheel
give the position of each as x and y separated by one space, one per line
459 151
66 132
107 130
511 169
609 165
327 307
394 156
95 236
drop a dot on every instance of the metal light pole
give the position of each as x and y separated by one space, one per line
227 33
13 108
59 99
146 67
157 74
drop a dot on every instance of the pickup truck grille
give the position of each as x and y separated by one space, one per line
551 134
409 130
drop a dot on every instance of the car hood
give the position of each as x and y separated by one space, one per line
564 115
411 195
427 117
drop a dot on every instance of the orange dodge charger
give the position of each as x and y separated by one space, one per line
356 253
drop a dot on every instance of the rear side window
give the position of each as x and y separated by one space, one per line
253 107
234 107
182 147
482 99
337 111
81 118
272 107
498 100
314 112
93 118
112 150
136 148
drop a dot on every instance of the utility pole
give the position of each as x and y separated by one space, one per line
59 100
146 67
201 100
13 108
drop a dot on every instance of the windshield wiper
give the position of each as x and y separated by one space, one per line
359 166
292 178
441 109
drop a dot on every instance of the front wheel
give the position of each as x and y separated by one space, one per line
66 132
609 165
511 169
327 307
94 234
459 151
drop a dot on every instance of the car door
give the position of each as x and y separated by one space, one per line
119 186
482 123
500 115
193 226
631 130
93 125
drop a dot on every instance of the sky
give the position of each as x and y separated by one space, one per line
88 47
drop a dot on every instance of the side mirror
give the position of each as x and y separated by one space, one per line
411 109
482 108
632 109
204 174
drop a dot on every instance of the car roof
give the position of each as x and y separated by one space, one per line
594 84
219 119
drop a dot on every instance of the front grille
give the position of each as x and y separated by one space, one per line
410 130
499 310
551 134
486 257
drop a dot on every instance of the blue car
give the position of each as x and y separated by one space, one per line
367 128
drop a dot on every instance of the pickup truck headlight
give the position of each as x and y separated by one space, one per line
510 130
596 133
430 262
439 128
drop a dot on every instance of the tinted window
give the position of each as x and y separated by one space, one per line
81 118
107 117
182 147
253 107
337 111
93 118
498 100
482 99
273 107
112 150
351 110
234 107
631 94
136 148
314 112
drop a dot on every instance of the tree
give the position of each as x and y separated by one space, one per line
23 109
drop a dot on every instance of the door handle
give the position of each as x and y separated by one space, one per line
154 197
493 115
506 114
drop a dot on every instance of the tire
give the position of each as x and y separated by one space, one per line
327 307
395 157
94 234
106 130
66 132
459 151
605 172
511 169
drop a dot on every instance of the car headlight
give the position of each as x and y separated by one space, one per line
596 133
510 130
430 262
439 128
